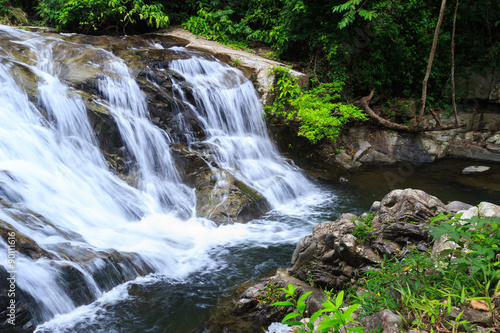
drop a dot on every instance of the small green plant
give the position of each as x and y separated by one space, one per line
236 62
334 318
311 278
270 294
362 230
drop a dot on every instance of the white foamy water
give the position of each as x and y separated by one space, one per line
60 192
232 118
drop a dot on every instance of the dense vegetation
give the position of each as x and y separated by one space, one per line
348 44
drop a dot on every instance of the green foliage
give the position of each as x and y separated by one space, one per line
216 25
12 13
319 112
426 287
92 15
334 318
362 230
270 294
351 8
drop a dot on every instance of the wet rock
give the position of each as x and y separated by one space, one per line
375 206
220 197
475 169
26 317
254 305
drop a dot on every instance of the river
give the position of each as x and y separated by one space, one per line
92 226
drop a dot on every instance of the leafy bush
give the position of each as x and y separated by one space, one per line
216 25
92 15
319 111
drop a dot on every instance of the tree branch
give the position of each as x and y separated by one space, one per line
364 102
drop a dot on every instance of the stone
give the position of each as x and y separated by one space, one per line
457 206
387 247
375 206
383 320
376 157
475 169
495 93
220 197
346 161
489 209
494 139
434 148
363 147
248 304
484 122
483 318
407 205
402 232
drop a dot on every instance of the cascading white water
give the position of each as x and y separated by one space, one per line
147 143
231 114
53 173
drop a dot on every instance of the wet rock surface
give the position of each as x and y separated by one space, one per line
220 197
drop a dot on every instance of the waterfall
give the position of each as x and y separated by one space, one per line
59 195
232 118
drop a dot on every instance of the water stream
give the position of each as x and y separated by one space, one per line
57 189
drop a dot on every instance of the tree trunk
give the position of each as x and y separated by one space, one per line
429 64
453 99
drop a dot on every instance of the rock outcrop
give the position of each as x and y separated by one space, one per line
362 145
334 254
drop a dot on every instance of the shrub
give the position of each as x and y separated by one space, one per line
92 15
319 111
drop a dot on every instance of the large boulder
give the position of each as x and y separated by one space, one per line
220 196
334 254
331 257
407 205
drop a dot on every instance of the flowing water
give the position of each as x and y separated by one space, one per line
57 189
